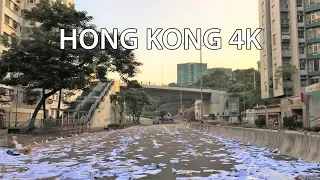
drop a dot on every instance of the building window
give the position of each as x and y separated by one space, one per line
313 49
265 60
274 40
300 16
299 3
272 10
15 25
303 64
264 46
265 86
314 65
313 17
273 24
32 1
262 20
263 33
8 2
6 19
262 7
301 32
16 8
6 36
301 48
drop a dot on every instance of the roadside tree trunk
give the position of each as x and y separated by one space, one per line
37 109
59 104
44 104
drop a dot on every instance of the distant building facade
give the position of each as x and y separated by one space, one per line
190 73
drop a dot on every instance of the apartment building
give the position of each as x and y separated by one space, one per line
11 22
312 25
190 73
283 39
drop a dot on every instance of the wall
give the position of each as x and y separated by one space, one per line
289 143
103 115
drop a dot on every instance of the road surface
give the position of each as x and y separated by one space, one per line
165 151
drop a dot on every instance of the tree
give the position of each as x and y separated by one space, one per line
118 100
136 98
216 79
284 73
163 113
40 63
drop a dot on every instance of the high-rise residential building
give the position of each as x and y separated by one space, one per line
11 22
283 40
190 73
228 71
312 25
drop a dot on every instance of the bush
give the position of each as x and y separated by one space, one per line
261 121
162 113
288 122
299 124
315 128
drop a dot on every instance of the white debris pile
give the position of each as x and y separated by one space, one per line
256 163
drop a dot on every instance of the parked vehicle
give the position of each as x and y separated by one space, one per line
210 119
156 121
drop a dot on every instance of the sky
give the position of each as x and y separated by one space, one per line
161 65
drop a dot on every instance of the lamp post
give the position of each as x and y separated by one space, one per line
162 74
181 90
201 74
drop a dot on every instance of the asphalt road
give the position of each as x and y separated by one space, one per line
165 151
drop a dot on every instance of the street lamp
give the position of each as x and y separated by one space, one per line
201 74
162 73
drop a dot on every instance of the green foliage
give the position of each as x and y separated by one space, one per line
163 113
117 100
315 128
216 79
288 122
260 122
31 97
299 124
285 72
40 63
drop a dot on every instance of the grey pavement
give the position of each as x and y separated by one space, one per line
165 151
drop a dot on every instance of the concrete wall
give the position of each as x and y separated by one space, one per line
289 143
3 137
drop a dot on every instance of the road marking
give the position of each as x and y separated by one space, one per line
168 130
200 154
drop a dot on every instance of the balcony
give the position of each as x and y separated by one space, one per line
286 52
285 22
284 7
312 7
287 84
285 38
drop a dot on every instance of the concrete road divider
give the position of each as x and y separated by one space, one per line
294 144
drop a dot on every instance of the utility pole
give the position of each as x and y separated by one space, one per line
162 73
17 100
181 90
254 79
201 118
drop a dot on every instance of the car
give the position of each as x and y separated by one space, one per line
156 121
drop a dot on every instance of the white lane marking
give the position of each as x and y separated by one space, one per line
168 130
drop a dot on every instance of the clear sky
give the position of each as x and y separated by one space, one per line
228 15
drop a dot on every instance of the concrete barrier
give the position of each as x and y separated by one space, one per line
3 137
294 144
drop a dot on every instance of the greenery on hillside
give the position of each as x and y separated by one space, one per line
242 87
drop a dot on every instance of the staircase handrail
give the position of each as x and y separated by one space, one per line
85 100
97 102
